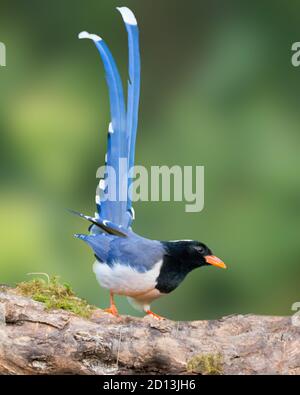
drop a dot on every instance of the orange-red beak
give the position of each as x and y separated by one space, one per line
213 260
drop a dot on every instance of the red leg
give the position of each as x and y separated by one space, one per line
113 308
156 316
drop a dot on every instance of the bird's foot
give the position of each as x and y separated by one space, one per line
153 315
112 310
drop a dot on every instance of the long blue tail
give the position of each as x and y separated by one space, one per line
112 197
134 83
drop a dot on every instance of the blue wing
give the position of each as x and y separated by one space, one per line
112 196
137 252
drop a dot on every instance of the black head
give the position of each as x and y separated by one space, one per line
180 258
193 253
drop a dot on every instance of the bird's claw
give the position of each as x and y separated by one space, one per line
153 315
112 310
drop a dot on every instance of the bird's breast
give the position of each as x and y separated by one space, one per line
123 279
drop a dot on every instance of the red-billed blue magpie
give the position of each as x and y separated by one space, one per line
126 263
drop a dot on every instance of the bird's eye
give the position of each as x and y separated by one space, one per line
200 249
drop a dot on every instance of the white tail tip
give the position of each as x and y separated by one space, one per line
127 15
110 128
132 213
93 37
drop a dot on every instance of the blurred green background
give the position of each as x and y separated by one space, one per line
218 89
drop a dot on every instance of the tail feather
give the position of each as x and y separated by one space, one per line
116 206
133 85
106 226
117 141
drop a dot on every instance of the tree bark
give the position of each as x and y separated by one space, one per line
34 340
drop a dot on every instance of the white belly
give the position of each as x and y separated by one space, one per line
123 280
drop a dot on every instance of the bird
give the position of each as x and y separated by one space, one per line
126 263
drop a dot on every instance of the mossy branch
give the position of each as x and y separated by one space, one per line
55 295
64 335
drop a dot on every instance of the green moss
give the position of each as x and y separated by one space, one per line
206 364
55 296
